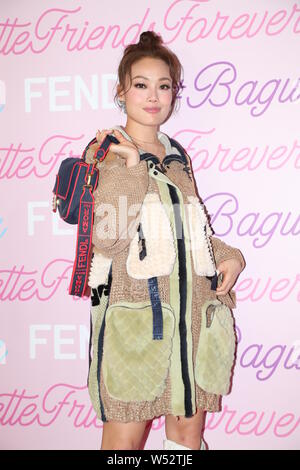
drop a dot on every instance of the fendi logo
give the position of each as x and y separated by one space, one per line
82 257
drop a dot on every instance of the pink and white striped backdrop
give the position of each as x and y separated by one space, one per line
239 121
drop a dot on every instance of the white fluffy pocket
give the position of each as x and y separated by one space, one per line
200 231
159 242
99 270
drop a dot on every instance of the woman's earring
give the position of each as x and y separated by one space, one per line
123 106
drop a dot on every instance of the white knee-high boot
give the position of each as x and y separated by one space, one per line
172 445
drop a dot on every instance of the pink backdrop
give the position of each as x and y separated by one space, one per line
239 121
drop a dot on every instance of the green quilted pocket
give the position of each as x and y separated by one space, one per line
135 366
216 348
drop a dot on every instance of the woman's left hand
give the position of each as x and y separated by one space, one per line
230 269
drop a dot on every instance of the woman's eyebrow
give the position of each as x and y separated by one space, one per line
141 76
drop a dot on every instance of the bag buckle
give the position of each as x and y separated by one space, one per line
88 183
55 203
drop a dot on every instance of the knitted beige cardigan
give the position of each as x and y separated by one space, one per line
134 184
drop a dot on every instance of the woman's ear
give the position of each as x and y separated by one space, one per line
119 92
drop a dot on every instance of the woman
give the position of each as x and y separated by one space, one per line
148 292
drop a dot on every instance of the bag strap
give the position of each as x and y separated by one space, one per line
101 151
79 279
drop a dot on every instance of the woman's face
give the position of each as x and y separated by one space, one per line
151 88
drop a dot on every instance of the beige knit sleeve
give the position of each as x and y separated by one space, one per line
223 252
118 201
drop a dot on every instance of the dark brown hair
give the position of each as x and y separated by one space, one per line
150 45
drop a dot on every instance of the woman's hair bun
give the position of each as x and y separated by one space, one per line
149 39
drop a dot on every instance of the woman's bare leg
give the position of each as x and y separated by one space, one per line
123 436
146 434
186 431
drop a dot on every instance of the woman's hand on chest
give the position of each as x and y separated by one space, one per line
125 149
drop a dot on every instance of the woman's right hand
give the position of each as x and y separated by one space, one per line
125 149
